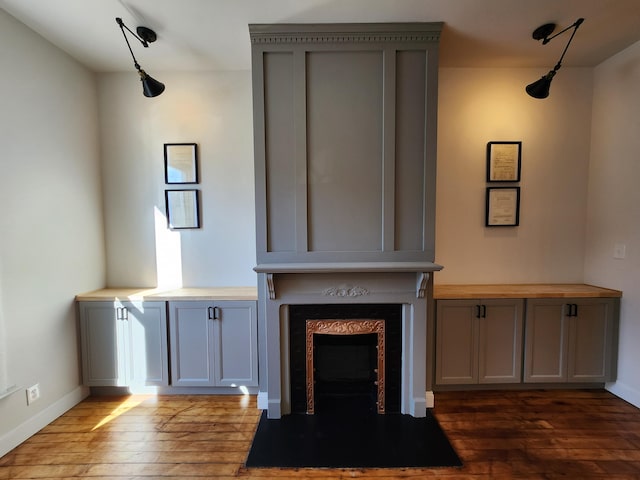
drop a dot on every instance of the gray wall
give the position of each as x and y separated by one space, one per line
614 203
51 236
212 110
479 105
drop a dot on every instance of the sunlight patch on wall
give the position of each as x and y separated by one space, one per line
168 253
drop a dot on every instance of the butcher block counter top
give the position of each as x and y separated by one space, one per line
163 295
546 290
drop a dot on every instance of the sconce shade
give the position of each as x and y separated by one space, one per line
540 88
150 86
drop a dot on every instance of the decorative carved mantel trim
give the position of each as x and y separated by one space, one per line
271 286
345 327
345 291
345 33
423 280
421 269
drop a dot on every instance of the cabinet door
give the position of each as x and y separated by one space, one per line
590 340
546 340
102 345
456 342
500 341
191 339
235 329
147 327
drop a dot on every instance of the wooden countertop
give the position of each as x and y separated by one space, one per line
547 290
162 295
440 292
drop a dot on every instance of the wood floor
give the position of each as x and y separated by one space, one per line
576 434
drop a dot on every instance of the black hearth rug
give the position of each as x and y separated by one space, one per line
351 441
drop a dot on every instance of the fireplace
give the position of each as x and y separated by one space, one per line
345 357
324 305
345 176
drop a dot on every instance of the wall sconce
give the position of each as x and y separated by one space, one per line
150 86
540 88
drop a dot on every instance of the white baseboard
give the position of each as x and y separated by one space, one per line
263 400
431 400
625 392
22 432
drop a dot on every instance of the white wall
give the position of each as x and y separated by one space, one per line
213 110
51 236
481 105
614 203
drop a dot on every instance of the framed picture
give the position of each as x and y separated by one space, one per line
503 161
503 207
180 163
182 209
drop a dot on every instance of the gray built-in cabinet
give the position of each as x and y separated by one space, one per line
213 344
479 341
532 340
570 340
193 337
124 343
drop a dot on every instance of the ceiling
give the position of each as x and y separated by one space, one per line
210 35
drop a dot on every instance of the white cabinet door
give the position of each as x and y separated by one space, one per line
570 340
479 341
456 342
191 339
591 339
102 345
213 344
500 341
235 339
147 329
124 343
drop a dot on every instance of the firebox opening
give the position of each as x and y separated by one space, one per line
345 372
345 346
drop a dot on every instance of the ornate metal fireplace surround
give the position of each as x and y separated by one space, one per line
344 327
378 389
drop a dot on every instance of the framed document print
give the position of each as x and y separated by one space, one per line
503 161
180 163
503 207
182 209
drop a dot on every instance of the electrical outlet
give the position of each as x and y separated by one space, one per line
33 393
619 250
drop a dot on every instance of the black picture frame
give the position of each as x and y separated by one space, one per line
180 163
182 209
504 161
502 207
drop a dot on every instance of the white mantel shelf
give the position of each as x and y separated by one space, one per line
345 267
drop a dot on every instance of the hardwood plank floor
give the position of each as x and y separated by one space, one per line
569 434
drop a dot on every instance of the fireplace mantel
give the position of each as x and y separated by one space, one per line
337 267
409 289
422 270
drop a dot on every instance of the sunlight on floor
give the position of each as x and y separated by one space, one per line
124 407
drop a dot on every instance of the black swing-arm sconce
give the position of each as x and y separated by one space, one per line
540 88
150 86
